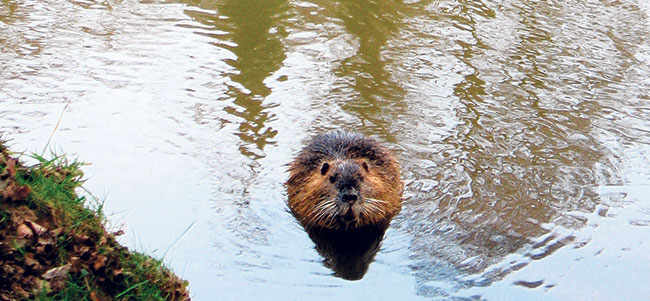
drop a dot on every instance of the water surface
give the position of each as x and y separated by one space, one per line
522 128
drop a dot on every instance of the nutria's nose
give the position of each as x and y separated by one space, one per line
349 198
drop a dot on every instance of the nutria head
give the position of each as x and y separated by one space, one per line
344 180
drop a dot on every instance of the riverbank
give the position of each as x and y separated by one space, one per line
53 244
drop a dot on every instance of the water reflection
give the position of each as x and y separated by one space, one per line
509 118
348 253
377 99
523 156
252 30
7 10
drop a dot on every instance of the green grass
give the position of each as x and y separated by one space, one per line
54 183
100 267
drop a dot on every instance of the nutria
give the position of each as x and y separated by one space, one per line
344 180
344 189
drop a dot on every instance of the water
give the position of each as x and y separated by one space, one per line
521 127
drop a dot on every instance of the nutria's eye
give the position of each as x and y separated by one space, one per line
325 168
333 179
365 166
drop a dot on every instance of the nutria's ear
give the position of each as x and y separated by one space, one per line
325 168
365 166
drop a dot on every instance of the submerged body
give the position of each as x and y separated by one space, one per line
345 188
342 181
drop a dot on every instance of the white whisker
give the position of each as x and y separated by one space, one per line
324 213
375 200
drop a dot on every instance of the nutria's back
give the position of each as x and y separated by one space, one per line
344 180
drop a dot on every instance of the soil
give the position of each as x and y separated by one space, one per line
50 249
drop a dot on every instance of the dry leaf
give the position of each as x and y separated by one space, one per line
11 166
57 276
8 269
100 262
31 262
15 192
24 231
57 273
38 229
21 214
18 290
46 240
57 231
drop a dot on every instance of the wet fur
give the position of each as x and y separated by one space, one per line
314 199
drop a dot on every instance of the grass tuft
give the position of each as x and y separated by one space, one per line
54 246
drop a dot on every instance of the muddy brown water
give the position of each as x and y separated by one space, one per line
522 128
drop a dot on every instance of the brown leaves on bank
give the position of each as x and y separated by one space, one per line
10 189
31 254
40 254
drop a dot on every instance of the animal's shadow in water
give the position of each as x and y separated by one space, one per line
348 252
344 189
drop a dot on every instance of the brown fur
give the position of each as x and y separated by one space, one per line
371 168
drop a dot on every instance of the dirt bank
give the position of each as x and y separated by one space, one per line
53 245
